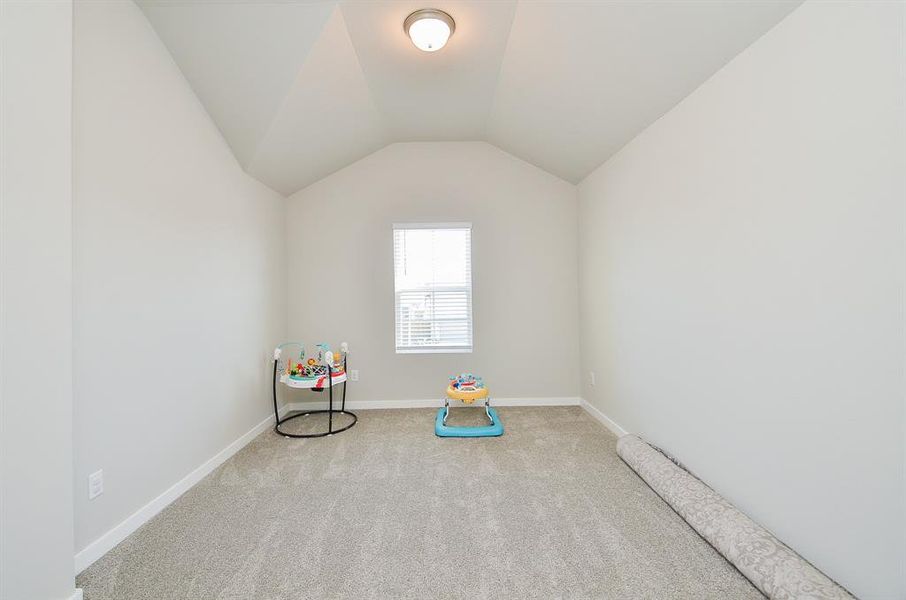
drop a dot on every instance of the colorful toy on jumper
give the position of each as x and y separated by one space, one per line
467 388
312 373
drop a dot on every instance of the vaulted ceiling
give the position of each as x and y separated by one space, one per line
301 89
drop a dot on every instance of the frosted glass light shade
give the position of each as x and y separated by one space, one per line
429 29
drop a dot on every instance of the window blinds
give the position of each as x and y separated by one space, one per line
433 284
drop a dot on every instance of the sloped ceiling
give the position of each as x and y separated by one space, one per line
300 89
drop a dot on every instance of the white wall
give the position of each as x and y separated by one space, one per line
742 272
339 234
35 301
178 258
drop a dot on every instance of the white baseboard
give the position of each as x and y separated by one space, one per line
609 423
430 403
534 401
109 540
76 595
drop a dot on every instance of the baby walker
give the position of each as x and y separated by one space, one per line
467 388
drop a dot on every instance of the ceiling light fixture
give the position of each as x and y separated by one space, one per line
429 28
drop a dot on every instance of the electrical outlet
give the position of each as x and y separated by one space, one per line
591 377
354 375
95 484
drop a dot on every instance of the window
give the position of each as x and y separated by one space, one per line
433 276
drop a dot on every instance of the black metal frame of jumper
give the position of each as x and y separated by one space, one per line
330 410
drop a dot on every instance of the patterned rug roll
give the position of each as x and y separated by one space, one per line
771 566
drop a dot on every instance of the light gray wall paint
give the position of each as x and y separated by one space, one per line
340 246
742 287
178 258
35 301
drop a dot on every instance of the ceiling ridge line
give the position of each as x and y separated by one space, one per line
259 142
503 55
385 126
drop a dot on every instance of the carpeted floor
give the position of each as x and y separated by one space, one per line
388 510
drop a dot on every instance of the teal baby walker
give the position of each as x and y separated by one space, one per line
467 388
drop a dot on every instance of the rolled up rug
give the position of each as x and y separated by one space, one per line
768 563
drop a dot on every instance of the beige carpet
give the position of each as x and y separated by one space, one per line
388 510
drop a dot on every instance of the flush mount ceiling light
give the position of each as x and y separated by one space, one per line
429 28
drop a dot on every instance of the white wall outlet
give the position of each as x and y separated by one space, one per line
591 378
95 484
354 375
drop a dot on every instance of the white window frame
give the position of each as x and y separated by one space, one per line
467 289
